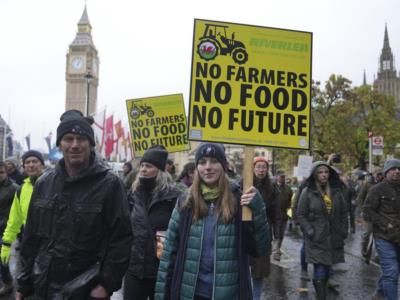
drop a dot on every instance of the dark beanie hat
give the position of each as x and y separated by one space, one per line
390 164
73 121
214 150
157 156
33 153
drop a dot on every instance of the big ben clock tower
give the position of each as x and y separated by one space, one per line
82 70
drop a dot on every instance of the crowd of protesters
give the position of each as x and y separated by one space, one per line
82 231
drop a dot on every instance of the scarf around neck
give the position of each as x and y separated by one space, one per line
209 194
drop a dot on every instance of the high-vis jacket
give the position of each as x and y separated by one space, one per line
19 211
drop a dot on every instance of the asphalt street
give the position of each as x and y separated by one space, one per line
357 279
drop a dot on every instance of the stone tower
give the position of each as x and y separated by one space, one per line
82 70
387 81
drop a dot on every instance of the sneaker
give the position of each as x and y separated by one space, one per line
304 275
6 289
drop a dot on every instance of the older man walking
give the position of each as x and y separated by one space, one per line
382 209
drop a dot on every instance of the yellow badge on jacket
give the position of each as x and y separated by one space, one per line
328 203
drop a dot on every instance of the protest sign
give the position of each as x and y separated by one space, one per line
250 85
158 121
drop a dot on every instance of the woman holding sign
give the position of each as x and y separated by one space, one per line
152 199
207 244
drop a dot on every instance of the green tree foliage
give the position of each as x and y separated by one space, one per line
342 117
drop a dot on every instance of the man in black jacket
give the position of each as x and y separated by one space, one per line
382 209
77 237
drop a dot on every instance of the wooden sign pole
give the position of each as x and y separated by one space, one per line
247 178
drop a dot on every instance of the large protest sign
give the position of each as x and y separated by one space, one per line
250 85
157 120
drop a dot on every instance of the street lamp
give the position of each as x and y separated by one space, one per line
88 77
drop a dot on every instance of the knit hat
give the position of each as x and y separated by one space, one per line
12 160
390 164
33 153
214 150
157 156
73 121
260 159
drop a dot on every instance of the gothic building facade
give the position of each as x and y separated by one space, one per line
82 70
388 80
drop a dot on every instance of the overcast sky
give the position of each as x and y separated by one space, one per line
145 47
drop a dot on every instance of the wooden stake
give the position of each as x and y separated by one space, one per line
247 178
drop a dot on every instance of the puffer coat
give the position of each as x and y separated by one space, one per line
324 233
227 260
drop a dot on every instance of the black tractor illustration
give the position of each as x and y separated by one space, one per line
215 41
138 110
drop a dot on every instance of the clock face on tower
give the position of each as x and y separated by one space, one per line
77 63
386 64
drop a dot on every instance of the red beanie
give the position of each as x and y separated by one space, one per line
260 159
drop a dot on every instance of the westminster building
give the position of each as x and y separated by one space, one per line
387 80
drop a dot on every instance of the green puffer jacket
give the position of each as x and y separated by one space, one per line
226 265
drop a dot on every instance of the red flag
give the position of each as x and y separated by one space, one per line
109 136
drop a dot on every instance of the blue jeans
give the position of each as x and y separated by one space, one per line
321 271
389 256
303 257
257 288
379 289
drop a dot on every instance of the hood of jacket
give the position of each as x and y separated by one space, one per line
334 179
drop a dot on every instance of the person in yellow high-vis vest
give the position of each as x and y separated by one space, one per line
33 165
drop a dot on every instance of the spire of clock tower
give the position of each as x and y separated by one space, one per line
386 61
82 73
387 82
84 34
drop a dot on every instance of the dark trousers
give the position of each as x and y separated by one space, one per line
5 274
138 289
352 219
200 298
321 272
303 257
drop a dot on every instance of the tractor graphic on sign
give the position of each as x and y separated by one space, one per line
215 41
138 110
